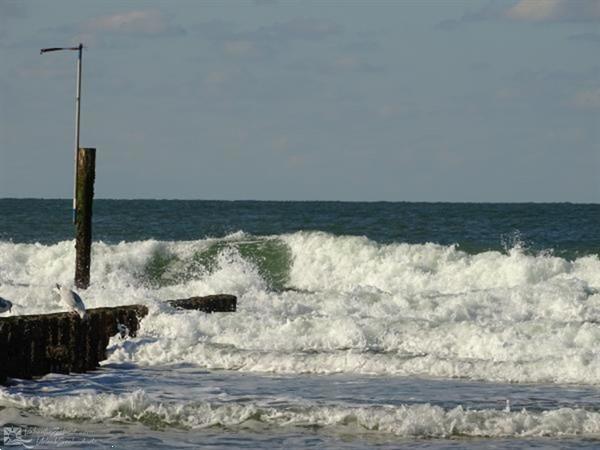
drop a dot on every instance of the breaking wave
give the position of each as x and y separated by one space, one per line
414 420
312 302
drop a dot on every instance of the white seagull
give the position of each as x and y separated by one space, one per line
5 305
71 299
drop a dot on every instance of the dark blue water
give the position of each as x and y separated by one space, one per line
569 230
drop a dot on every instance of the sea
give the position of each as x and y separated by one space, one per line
359 325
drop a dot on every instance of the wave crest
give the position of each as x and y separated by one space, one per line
414 420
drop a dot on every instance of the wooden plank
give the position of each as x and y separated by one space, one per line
35 345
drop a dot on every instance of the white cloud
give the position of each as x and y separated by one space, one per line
587 99
265 40
534 10
216 77
555 10
280 144
531 11
148 22
240 47
296 161
347 62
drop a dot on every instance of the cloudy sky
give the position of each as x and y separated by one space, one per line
305 100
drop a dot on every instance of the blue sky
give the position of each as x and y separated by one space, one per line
305 100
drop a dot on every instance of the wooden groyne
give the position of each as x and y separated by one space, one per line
35 345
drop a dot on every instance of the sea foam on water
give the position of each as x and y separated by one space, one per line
312 302
416 420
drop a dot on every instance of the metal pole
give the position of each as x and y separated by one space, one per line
77 121
79 48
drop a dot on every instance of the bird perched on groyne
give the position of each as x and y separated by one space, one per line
5 305
71 299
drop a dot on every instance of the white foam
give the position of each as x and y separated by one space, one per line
358 307
419 420
28 272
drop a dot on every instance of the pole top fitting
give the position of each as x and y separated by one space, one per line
56 49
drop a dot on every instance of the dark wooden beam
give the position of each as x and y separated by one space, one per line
35 345
86 174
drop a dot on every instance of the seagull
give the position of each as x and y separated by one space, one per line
5 305
71 299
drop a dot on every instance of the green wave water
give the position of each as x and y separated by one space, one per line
271 257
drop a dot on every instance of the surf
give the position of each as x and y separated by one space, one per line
313 302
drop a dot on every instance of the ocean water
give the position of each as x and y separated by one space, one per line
359 325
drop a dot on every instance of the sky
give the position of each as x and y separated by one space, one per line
462 101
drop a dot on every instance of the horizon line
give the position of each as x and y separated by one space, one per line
316 201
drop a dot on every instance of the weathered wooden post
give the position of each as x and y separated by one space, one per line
86 173
34 345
